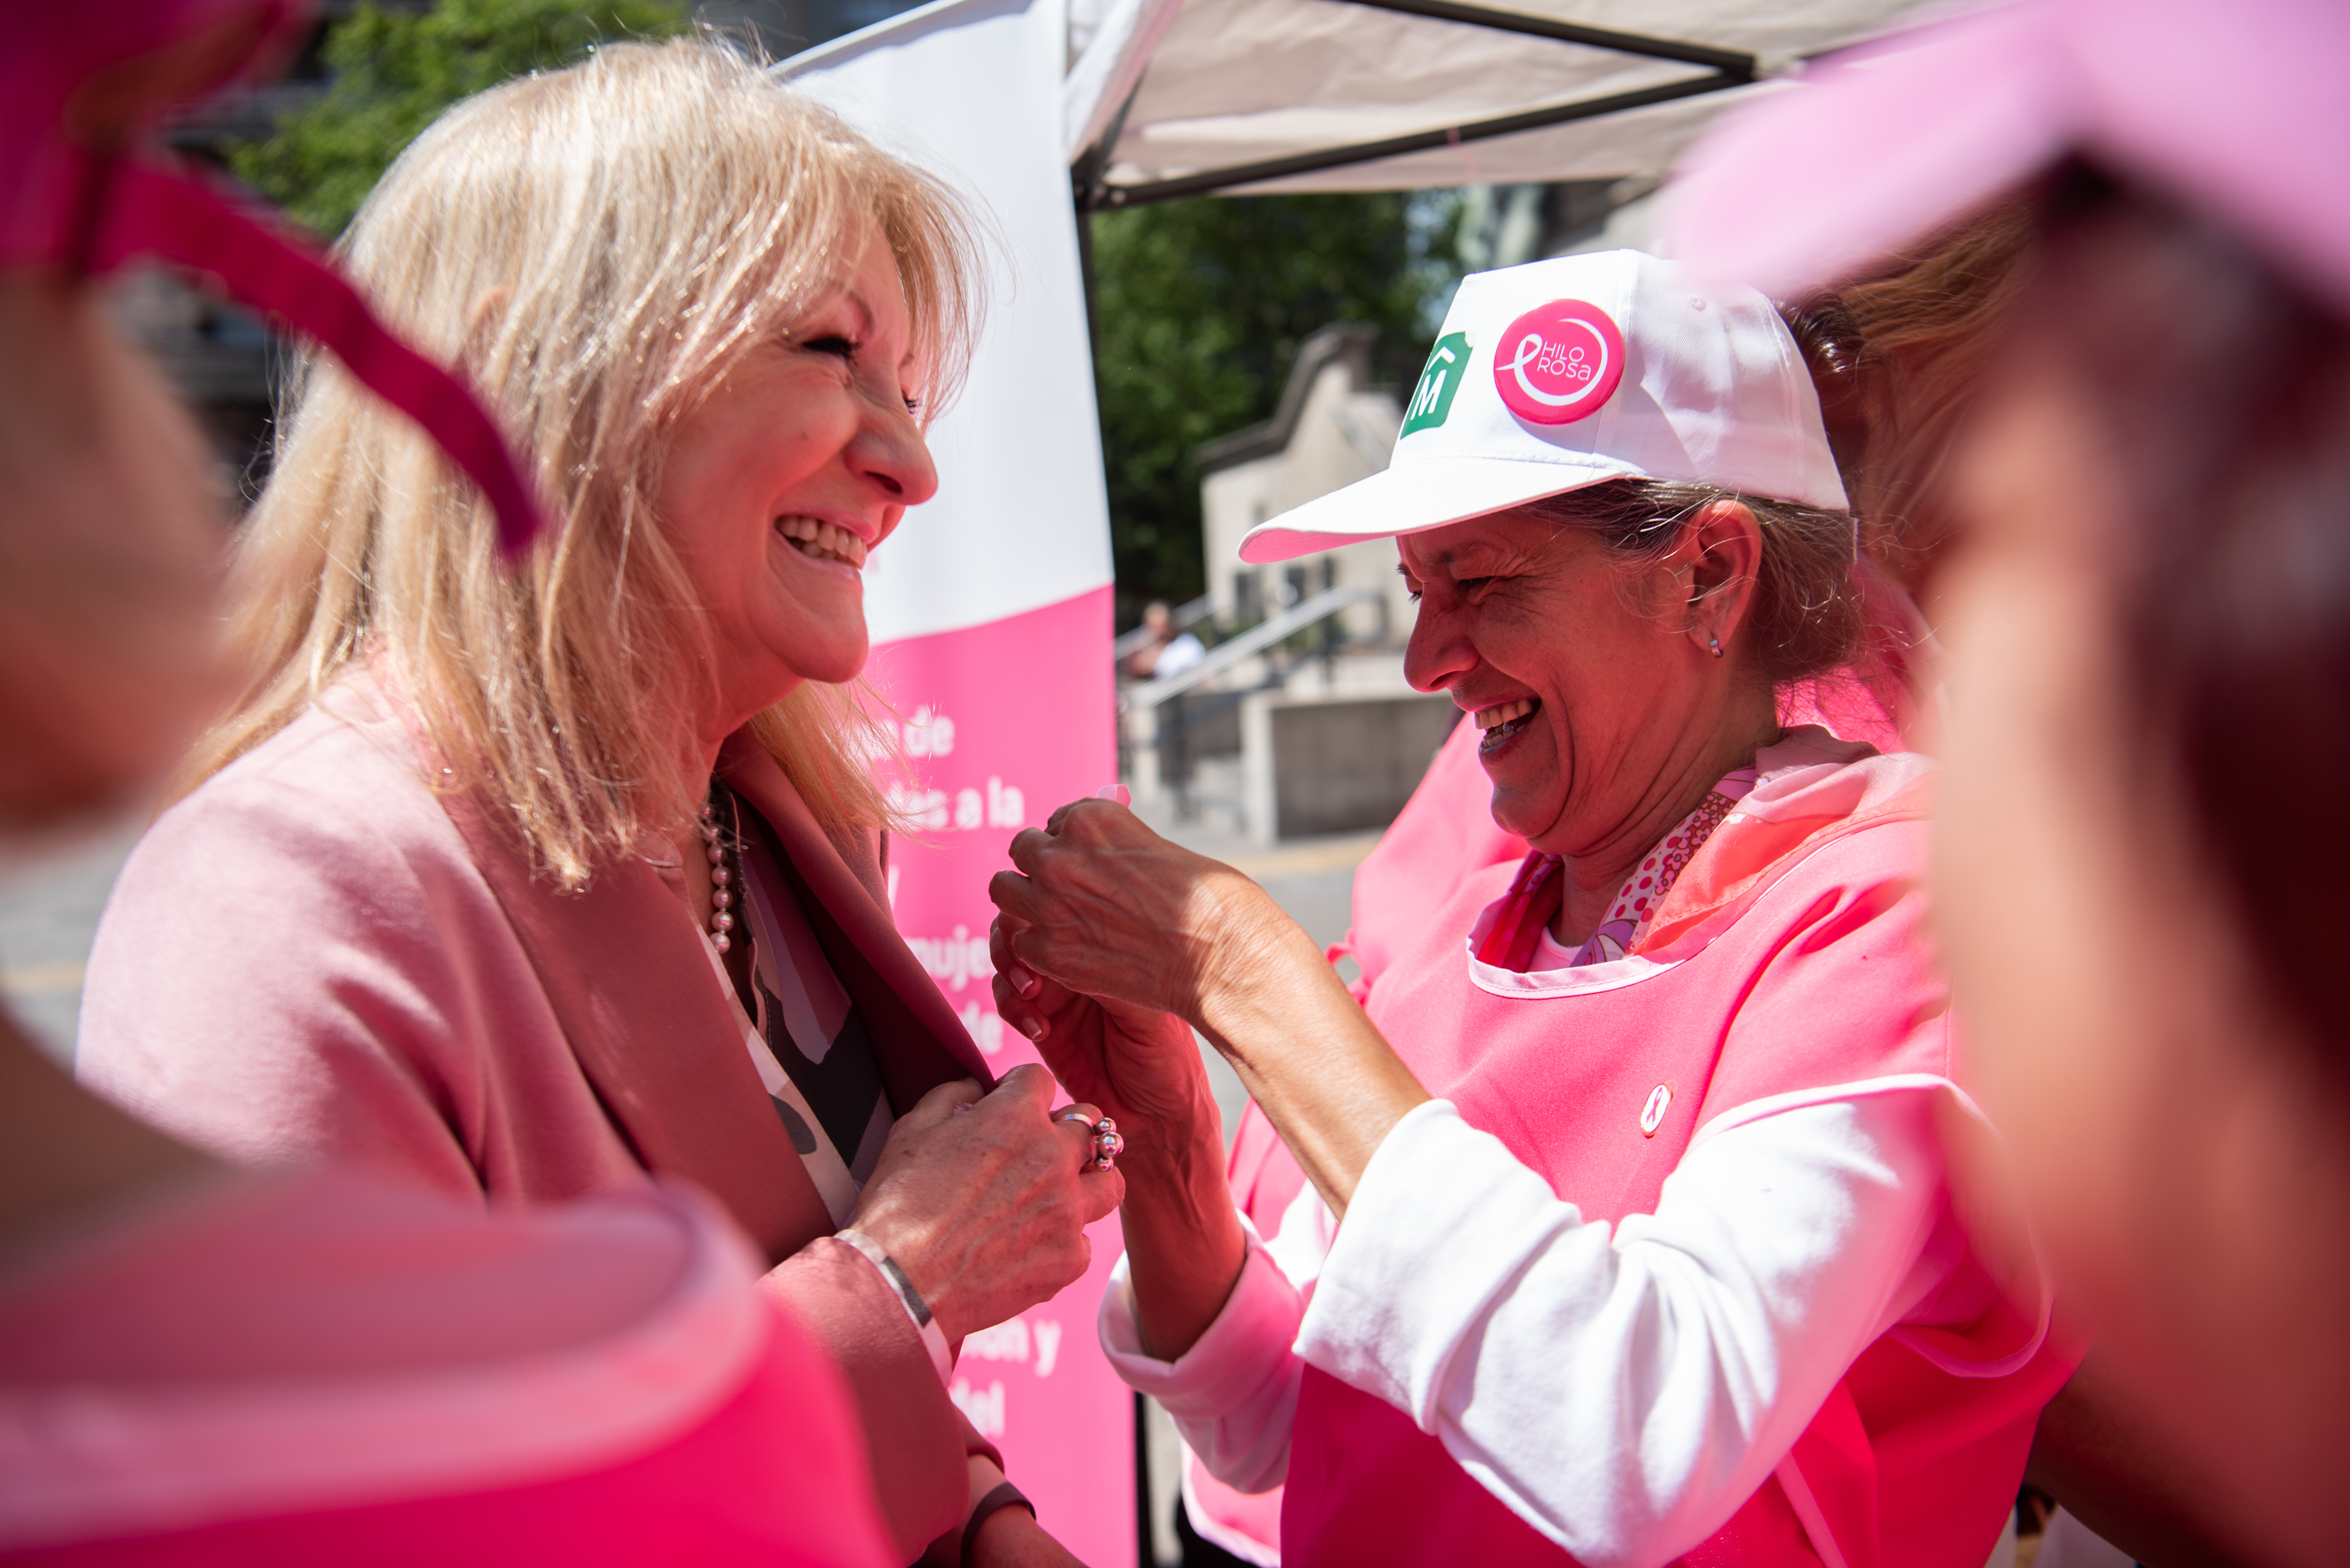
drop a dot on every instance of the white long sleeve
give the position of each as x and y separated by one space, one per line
1624 1393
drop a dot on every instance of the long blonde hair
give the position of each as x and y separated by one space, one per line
597 246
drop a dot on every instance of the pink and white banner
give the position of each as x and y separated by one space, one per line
990 613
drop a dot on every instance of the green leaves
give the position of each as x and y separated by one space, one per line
395 71
1201 305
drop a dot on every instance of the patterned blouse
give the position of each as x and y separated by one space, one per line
804 1036
1521 939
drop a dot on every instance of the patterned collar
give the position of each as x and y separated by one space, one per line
1516 941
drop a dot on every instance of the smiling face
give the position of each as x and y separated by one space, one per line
1593 701
777 484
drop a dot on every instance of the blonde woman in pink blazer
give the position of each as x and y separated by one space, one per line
528 882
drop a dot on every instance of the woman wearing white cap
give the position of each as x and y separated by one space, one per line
1669 1266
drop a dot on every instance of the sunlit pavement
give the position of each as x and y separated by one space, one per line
50 900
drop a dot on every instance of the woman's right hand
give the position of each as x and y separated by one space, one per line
1183 1237
983 1199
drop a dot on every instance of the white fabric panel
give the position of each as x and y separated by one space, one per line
1238 81
971 90
1623 1389
1111 43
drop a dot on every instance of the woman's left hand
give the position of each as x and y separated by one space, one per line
1106 909
1110 909
1142 1068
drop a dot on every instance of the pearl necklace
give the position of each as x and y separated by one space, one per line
721 878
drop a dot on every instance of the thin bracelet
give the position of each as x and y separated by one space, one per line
934 1339
1004 1496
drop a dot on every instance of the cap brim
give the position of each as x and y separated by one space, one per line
1429 494
1879 145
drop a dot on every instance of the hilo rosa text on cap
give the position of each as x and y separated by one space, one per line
1563 374
1559 362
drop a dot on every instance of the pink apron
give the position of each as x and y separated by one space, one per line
1761 976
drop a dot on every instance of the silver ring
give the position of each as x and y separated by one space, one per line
1108 1145
1071 1114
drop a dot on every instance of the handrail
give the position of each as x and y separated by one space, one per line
1185 615
1255 641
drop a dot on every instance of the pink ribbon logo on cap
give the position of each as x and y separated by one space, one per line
1559 362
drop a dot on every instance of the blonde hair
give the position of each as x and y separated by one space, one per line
1898 355
597 246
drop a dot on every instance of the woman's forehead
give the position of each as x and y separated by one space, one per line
1469 549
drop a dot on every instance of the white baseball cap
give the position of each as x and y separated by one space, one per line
1561 374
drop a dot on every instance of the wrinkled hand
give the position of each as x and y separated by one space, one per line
1110 909
1140 1068
983 1200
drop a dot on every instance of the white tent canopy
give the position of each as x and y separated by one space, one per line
1177 97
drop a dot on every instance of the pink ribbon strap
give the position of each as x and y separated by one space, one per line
154 210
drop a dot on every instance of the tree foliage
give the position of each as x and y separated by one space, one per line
1201 305
394 71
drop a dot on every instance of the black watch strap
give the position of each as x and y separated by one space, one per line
1004 1496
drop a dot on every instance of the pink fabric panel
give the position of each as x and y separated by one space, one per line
330 1275
1265 1178
770 1480
998 752
323 1368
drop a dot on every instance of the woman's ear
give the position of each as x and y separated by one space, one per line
1719 556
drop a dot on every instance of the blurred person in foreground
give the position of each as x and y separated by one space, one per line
2140 853
527 884
200 1366
1667 1265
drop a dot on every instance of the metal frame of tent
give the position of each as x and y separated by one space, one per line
1726 69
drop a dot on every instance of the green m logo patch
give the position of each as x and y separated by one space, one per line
1432 401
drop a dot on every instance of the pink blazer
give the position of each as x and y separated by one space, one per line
316 955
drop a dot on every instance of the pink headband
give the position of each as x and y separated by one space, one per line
92 209
2239 109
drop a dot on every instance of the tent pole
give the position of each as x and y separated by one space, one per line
1211 180
1731 62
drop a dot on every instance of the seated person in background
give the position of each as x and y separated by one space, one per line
1168 651
317 1366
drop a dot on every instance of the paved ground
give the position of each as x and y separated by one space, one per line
50 904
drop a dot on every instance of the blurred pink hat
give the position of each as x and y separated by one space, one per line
79 192
2240 110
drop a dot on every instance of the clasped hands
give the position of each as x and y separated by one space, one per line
1109 940
1111 945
